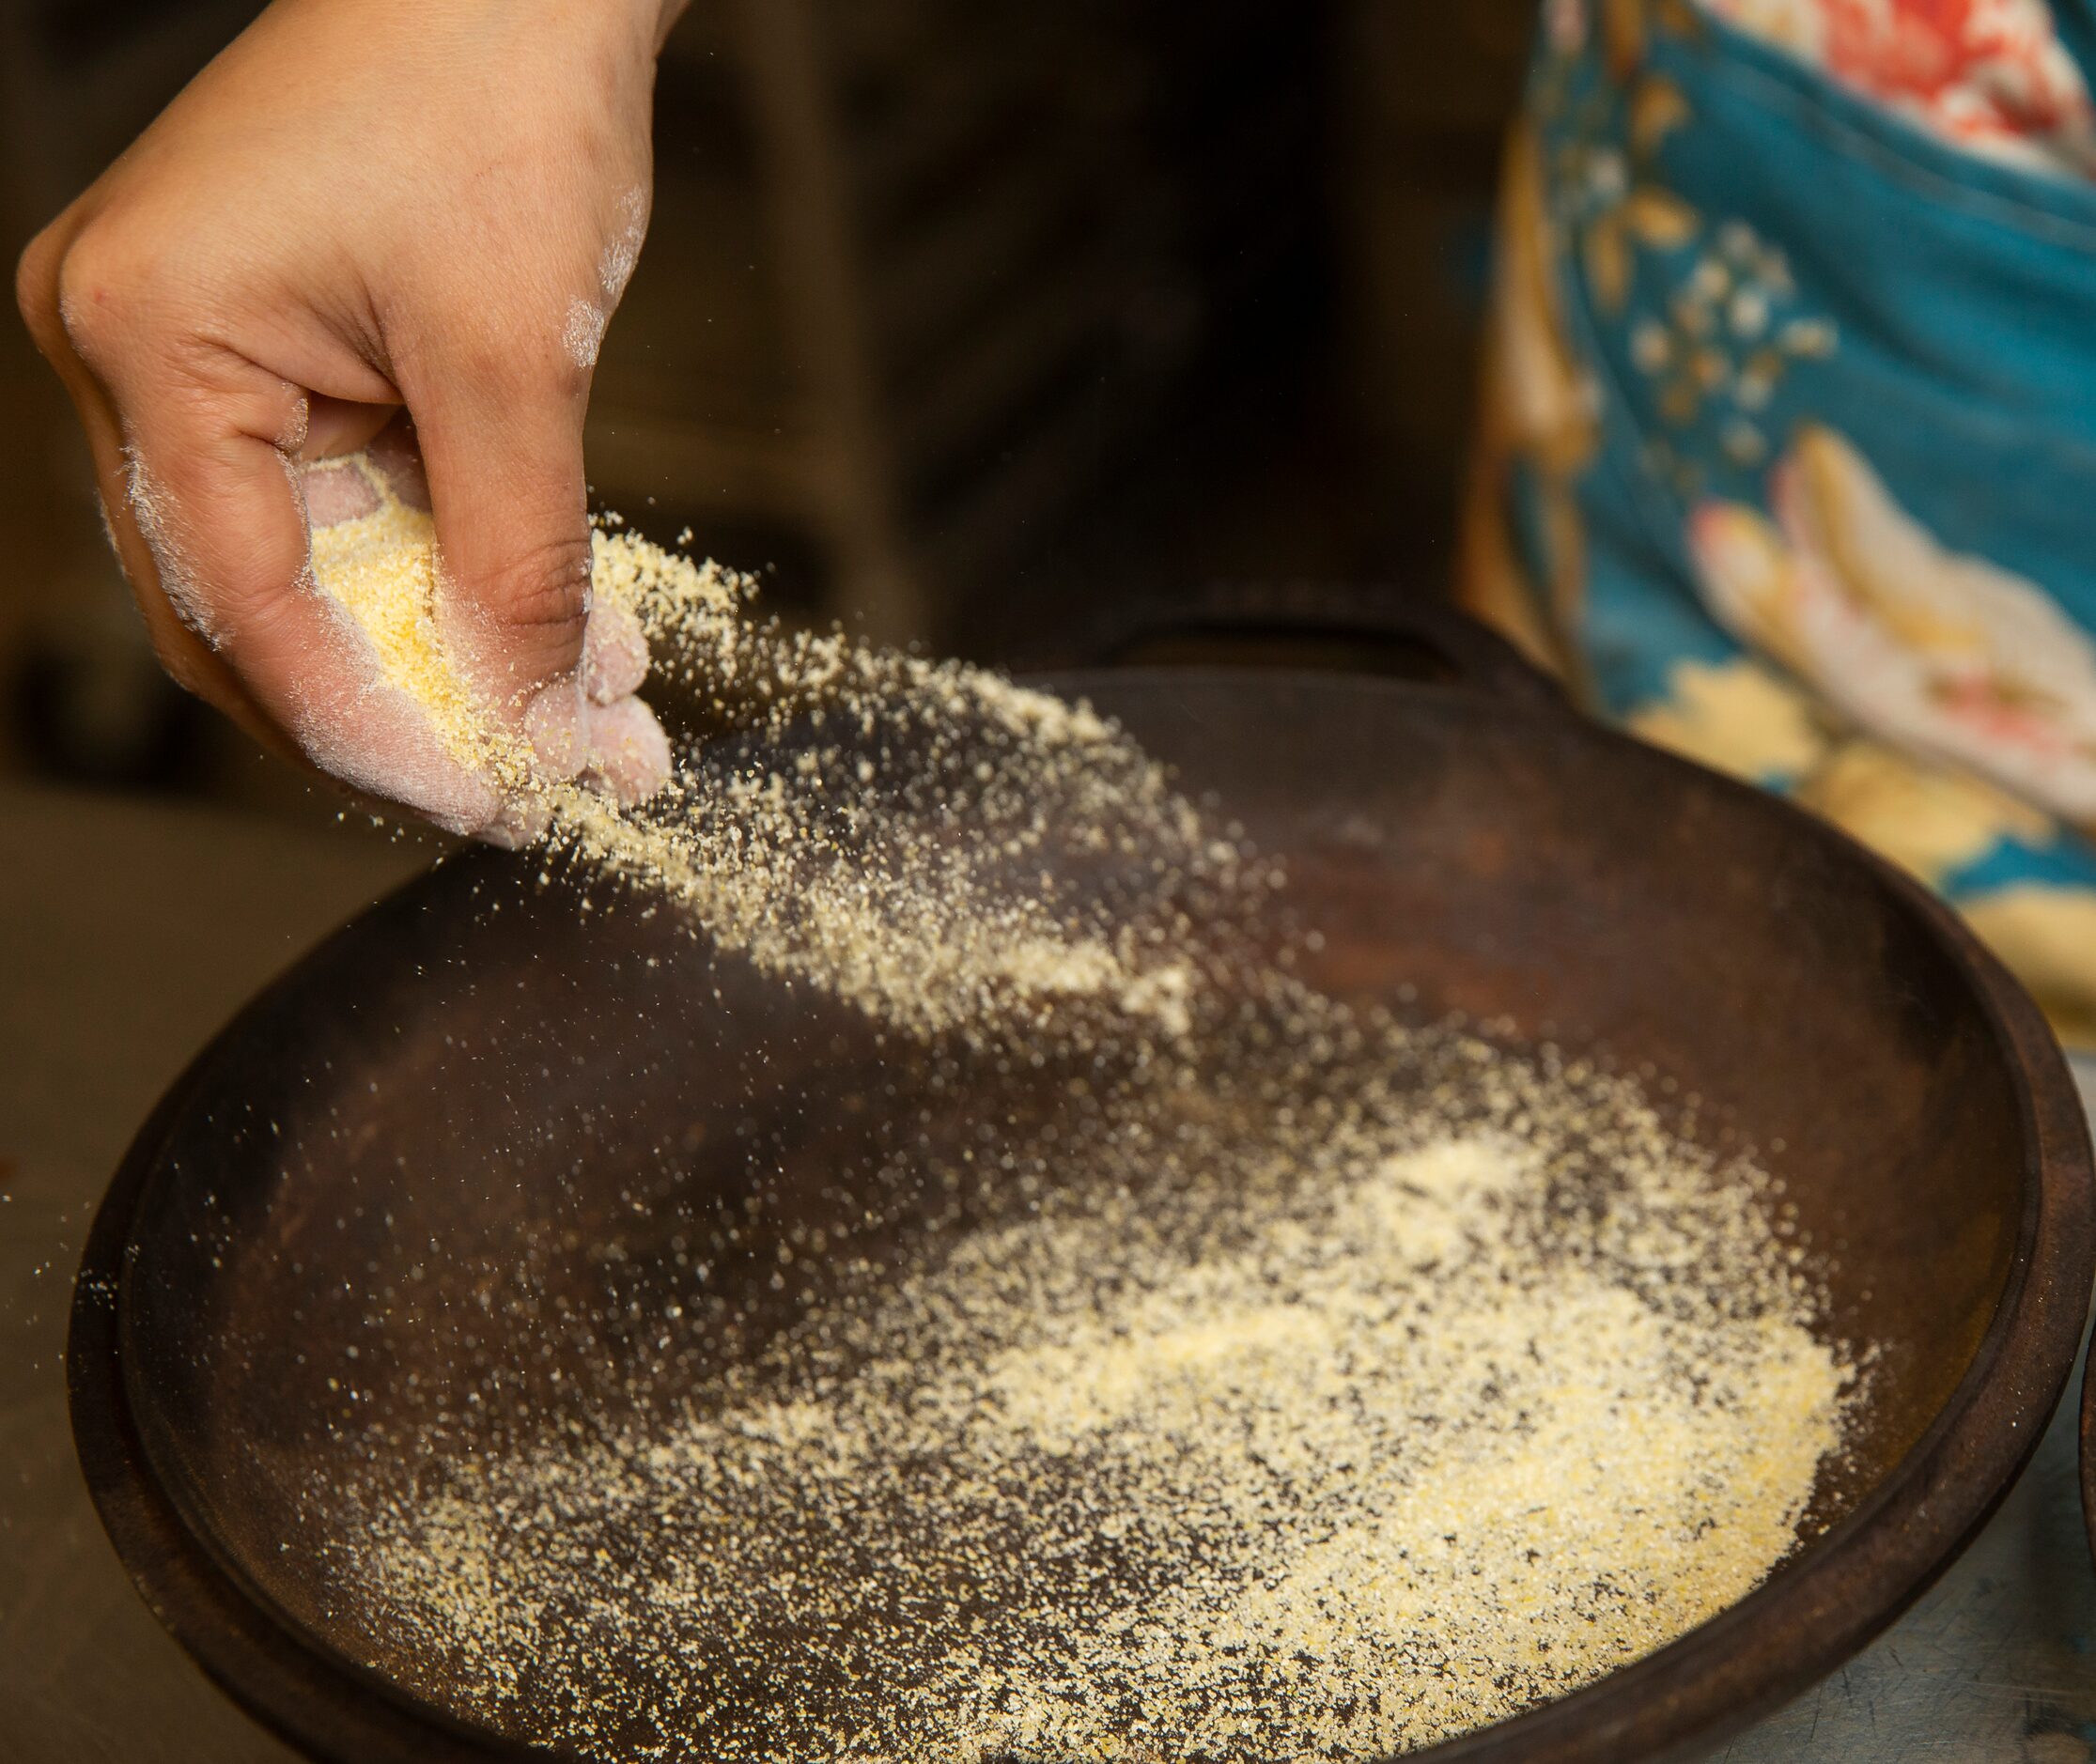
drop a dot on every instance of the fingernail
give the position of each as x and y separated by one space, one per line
629 755
556 725
396 453
337 490
519 822
614 653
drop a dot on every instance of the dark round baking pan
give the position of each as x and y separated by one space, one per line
322 1175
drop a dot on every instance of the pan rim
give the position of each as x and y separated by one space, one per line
1693 1690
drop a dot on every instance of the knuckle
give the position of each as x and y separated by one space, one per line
485 359
518 349
545 587
261 609
507 355
86 290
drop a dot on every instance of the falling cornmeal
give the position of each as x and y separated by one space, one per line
1597 1228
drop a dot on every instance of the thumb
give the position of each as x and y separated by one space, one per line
220 509
504 467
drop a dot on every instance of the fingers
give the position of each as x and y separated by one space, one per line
616 747
211 467
503 455
185 656
629 755
600 735
603 735
614 654
334 426
222 511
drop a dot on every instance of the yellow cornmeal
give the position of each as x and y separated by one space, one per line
1325 1438
382 567
936 909
1303 1386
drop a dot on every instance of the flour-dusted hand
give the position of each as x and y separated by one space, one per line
364 205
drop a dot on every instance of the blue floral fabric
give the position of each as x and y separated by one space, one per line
1790 454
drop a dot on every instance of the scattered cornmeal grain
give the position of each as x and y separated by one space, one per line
892 830
1404 1411
1287 1383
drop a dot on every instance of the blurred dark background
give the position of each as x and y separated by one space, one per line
968 321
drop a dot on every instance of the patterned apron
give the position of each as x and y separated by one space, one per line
1788 442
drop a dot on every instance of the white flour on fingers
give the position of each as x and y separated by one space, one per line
154 511
583 334
615 269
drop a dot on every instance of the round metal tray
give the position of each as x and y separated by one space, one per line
1464 850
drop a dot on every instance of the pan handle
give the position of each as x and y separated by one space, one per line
1412 636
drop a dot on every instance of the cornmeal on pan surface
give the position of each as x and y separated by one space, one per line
1322 1443
1297 1385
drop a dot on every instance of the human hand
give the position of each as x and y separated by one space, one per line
364 205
